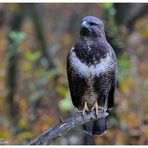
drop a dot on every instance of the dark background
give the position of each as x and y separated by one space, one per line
34 42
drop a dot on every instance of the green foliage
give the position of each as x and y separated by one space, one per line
109 7
66 104
17 36
123 67
32 56
23 123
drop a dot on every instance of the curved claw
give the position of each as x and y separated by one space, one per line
97 108
84 109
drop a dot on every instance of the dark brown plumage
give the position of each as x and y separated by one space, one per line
92 72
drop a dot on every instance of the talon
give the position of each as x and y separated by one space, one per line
96 107
85 108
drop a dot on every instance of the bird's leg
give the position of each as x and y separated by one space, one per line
97 108
85 108
106 104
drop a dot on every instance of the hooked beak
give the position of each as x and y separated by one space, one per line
85 29
84 25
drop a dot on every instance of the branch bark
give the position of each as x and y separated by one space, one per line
59 130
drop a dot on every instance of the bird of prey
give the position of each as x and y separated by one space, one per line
92 72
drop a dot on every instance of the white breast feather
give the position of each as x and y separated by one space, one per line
85 70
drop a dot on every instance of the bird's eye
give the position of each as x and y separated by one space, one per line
92 23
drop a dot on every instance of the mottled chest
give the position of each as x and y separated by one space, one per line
90 51
91 70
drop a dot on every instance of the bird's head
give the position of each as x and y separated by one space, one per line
92 27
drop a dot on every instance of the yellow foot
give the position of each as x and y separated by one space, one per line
97 108
84 109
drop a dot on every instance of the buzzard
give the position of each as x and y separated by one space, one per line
92 72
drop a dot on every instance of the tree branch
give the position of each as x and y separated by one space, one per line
59 130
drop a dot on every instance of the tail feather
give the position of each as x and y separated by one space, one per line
97 127
88 127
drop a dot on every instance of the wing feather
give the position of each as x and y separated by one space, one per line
77 83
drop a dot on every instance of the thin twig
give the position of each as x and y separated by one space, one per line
59 130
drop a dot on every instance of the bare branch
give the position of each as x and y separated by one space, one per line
59 130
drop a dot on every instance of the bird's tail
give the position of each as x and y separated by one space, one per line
97 127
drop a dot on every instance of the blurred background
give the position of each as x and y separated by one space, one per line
34 43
